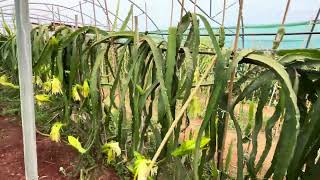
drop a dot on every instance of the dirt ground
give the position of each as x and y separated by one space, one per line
231 137
51 156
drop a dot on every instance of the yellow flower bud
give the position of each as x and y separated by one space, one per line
55 132
56 86
74 142
85 89
75 94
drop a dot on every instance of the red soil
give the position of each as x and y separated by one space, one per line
51 156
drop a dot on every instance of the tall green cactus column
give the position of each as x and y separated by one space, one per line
26 88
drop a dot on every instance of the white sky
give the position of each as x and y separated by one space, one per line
255 11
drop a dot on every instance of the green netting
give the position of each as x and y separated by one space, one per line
265 41
288 42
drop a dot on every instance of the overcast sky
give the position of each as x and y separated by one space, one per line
255 11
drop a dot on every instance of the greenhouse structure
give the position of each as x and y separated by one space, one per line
160 89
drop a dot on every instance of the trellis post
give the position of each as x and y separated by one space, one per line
26 89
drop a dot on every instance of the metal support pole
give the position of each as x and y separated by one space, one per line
242 29
132 19
210 14
136 29
60 22
312 28
76 21
14 19
52 9
285 12
53 18
223 12
26 89
82 20
145 11
182 8
170 14
107 14
94 13
2 18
